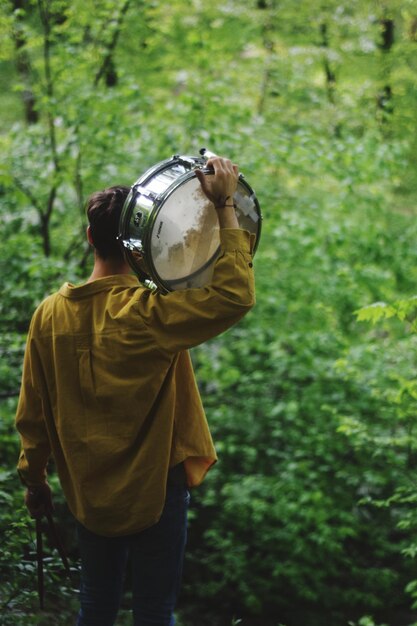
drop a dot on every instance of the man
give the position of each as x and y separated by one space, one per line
108 389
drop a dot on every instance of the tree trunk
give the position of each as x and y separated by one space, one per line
107 69
45 215
268 30
328 71
385 96
413 29
23 64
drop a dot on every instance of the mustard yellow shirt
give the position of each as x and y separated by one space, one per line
108 388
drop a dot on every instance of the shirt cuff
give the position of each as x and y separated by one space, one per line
232 239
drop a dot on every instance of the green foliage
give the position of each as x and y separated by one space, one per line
365 621
401 440
309 517
18 595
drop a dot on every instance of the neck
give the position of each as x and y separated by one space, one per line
108 267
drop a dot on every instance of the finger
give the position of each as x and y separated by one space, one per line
202 178
217 163
199 174
229 166
204 186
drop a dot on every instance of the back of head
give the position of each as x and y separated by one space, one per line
103 212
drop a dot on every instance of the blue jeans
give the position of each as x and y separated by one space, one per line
156 556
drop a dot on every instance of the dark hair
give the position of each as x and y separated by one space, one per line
103 213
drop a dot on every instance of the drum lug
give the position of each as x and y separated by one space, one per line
207 154
143 191
129 245
150 284
188 162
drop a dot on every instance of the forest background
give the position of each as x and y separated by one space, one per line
309 518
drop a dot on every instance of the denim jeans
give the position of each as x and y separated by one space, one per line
156 556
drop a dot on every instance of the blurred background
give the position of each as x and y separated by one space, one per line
310 516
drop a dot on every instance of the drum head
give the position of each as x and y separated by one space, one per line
184 242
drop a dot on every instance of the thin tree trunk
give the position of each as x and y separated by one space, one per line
385 96
413 29
45 215
269 45
23 64
328 71
108 67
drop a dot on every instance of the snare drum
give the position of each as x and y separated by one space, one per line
170 229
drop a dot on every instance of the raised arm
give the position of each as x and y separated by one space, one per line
182 319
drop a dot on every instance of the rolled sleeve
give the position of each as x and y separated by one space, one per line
232 239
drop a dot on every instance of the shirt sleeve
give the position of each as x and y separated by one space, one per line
30 422
185 318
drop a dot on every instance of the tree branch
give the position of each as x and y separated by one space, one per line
29 195
107 67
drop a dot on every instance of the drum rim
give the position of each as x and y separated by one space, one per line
162 165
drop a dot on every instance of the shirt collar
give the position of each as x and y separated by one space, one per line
68 290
